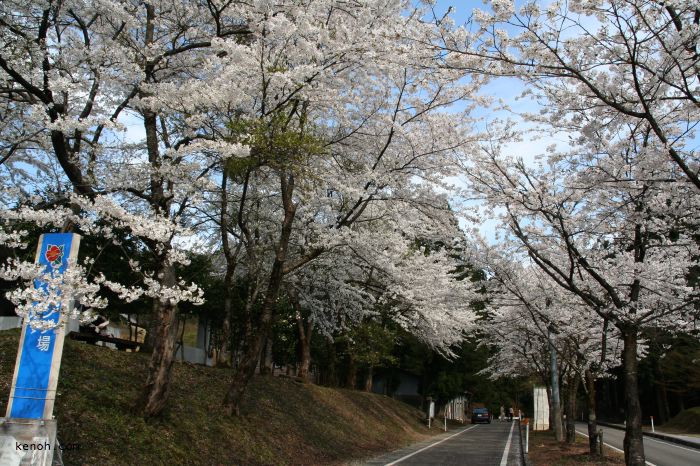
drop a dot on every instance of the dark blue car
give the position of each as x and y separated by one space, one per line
481 415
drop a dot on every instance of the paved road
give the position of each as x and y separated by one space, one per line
495 444
657 452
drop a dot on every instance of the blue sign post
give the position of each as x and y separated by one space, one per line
35 379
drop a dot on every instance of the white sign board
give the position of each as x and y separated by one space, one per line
27 442
431 410
541 417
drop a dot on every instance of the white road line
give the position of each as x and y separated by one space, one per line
675 445
429 446
504 458
649 463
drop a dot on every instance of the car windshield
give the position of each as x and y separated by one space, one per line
480 410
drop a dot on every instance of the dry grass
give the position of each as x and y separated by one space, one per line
546 451
283 422
685 423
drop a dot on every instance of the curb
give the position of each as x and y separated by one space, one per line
523 456
665 438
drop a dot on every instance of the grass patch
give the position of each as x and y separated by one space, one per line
544 450
685 422
282 421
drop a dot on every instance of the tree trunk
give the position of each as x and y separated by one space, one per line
592 419
305 333
331 378
556 403
634 446
305 362
267 361
224 355
572 392
351 379
251 355
662 402
368 379
156 389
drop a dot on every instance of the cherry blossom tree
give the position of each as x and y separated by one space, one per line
300 129
540 317
620 77
622 60
344 152
605 226
72 73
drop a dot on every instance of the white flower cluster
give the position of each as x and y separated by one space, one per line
47 298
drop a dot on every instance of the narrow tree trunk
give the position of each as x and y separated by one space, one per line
181 339
592 419
351 378
267 361
572 392
634 446
249 360
305 362
331 376
305 333
224 356
556 403
368 379
661 402
157 386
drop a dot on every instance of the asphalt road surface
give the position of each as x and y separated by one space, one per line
657 452
495 444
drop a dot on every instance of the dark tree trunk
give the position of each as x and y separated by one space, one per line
556 399
253 346
634 446
305 327
368 379
164 327
250 357
572 392
224 355
351 378
267 361
157 386
330 376
662 402
592 419
305 361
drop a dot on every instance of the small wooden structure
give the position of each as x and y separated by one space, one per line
93 338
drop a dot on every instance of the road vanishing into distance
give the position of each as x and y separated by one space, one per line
657 452
495 444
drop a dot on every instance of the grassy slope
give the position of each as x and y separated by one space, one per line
282 421
685 422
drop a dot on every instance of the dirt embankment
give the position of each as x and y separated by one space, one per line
283 422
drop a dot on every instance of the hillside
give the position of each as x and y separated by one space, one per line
282 421
685 422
